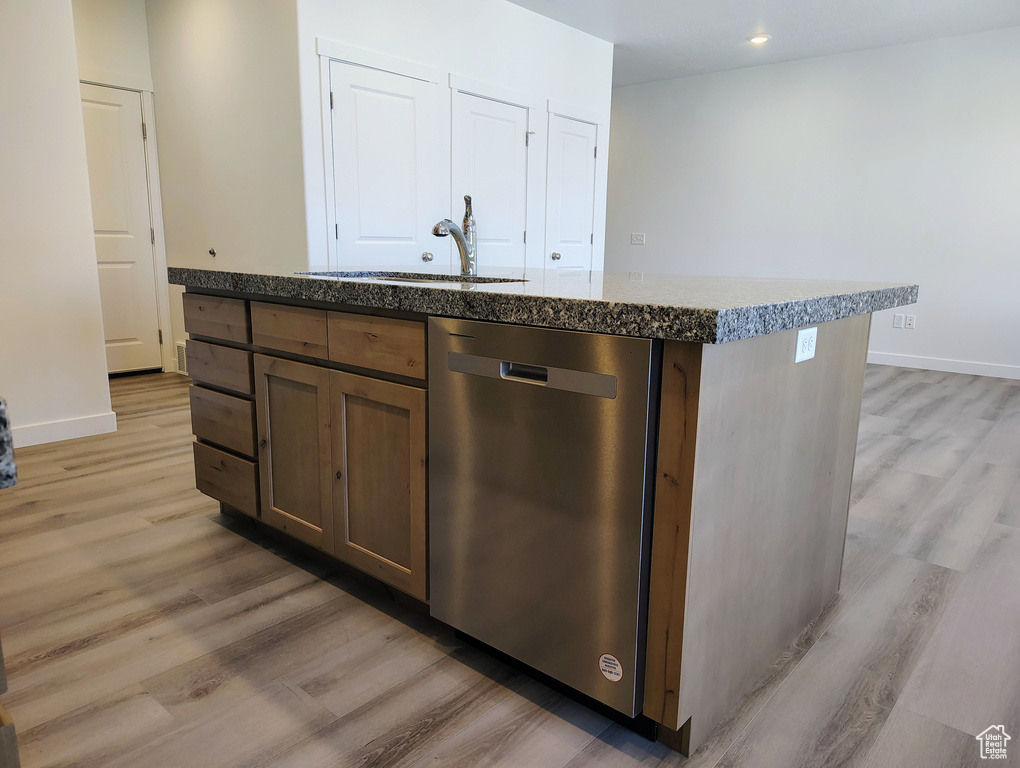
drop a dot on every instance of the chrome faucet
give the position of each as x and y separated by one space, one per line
465 240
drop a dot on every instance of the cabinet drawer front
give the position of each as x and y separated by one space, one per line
227 478
298 330
223 419
224 367
381 343
217 317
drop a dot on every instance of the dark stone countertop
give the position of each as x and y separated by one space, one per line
707 310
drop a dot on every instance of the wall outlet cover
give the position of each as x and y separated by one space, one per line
897 320
807 338
911 322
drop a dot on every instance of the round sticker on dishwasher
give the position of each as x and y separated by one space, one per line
610 667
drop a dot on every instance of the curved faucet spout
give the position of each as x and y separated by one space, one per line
467 253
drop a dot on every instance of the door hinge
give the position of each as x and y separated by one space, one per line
592 240
527 137
161 337
337 231
525 237
596 151
152 235
144 135
331 99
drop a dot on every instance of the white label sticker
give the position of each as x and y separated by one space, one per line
611 668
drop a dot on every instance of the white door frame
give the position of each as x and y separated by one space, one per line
166 349
601 123
331 50
534 206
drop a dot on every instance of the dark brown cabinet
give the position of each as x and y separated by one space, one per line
334 458
378 448
292 412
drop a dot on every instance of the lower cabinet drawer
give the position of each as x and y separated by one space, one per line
218 366
217 317
227 478
298 330
380 343
224 420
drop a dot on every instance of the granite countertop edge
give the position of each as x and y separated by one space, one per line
655 320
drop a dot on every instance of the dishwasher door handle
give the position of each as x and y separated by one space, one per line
529 374
566 379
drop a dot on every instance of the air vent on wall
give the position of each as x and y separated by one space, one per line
182 358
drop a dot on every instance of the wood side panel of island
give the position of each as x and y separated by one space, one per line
748 532
671 529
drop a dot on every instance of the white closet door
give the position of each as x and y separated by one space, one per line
490 163
570 193
387 166
120 217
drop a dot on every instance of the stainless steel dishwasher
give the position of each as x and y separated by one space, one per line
540 467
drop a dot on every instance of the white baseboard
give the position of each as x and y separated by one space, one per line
65 429
950 366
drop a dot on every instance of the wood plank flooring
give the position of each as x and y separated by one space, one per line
142 629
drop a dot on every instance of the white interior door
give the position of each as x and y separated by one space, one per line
122 223
570 193
388 161
490 163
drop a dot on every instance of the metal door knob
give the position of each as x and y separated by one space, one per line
556 256
426 256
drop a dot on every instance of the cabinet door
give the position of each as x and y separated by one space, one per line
491 165
379 485
388 161
292 409
570 193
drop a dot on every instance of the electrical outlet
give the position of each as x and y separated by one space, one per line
911 322
637 238
806 341
897 320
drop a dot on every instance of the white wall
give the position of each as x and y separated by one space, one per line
53 359
113 43
225 77
896 164
488 40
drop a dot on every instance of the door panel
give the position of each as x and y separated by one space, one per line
379 488
570 193
120 214
491 164
292 409
377 478
387 168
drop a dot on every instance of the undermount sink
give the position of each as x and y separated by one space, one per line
419 277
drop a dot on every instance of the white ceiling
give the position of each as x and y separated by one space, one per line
662 39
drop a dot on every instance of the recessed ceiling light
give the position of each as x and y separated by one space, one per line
759 39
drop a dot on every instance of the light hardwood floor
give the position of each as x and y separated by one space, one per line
143 629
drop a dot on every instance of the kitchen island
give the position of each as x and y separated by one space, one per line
312 416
